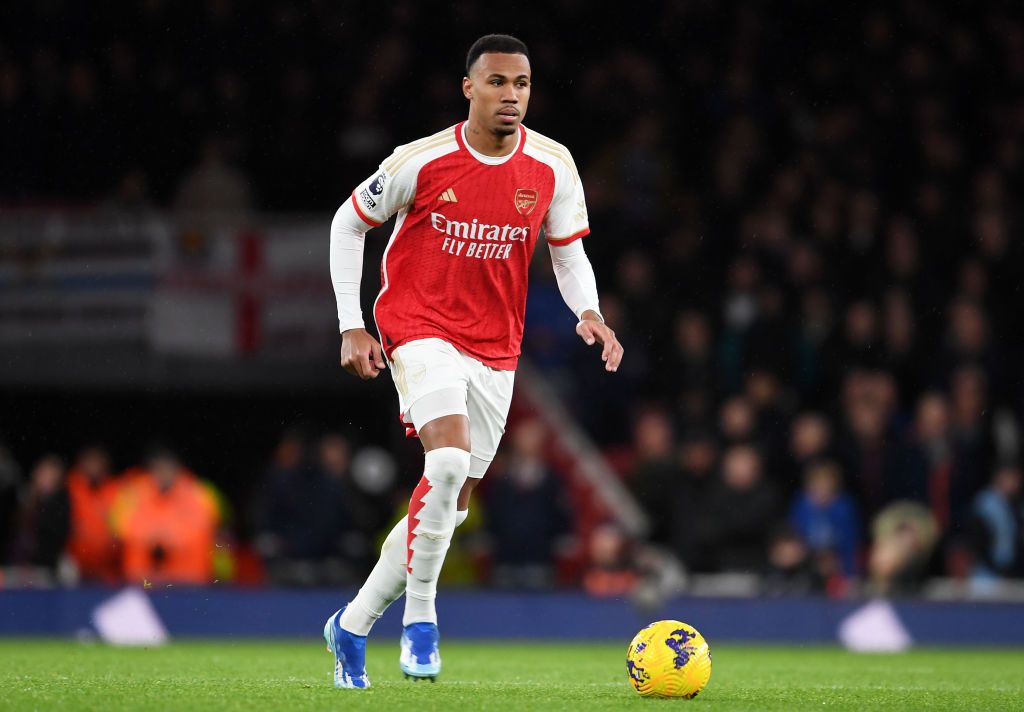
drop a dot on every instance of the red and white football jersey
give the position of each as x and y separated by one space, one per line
456 264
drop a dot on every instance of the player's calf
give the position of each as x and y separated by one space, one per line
432 517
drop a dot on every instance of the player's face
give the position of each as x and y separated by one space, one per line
498 89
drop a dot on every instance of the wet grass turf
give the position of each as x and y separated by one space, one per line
227 675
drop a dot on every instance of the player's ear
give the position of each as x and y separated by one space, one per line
467 87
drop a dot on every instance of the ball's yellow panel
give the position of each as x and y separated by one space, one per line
669 659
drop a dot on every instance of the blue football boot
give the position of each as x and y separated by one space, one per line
421 659
349 653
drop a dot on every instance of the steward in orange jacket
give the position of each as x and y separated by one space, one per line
167 522
91 543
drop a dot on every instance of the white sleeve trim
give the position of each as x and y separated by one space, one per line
575 276
348 231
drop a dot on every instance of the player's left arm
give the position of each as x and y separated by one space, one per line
576 282
564 225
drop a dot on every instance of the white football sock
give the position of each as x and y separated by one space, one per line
386 582
432 516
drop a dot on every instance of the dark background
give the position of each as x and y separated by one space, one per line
823 188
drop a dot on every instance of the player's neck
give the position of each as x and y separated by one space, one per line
489 143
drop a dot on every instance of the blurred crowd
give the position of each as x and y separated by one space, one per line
803 226
316 515
157 523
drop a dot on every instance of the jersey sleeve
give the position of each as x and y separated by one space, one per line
566 220
387 191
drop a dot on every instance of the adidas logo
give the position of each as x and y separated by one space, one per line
448 196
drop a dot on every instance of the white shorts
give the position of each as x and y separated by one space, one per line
435 379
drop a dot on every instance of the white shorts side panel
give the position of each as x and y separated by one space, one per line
490 395
434 379
426 366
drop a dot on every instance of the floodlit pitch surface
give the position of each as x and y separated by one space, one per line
290 675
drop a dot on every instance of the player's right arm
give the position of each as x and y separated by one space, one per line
371 204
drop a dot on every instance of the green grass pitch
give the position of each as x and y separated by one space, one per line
230 675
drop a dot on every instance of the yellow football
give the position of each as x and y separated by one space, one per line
669 659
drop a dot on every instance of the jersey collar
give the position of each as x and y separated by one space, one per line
460 136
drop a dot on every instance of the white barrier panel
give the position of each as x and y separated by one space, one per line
874 628
128 618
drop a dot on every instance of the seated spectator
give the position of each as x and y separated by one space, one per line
299 519
214 189
857 346
10 482
349 548
42 519
167 522
526 512
771 403
816 331
698 459
737 421
996 528
968 342
601 401
791 570
826 518
92 490
655 472
334 457
611 570
695 406
810 439
740 512
904 537
933 472
970 425
870 459
691 359
903 355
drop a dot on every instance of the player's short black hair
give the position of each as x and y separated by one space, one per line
503 44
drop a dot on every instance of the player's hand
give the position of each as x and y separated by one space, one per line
594 331
361 354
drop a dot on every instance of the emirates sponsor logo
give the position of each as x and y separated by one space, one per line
476 239
476 230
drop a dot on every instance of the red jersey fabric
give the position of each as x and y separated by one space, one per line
456 266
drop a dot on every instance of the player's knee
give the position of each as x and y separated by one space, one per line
436 530
435 536
447 465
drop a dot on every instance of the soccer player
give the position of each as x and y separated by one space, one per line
472 201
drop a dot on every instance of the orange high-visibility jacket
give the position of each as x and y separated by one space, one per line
167 537
91 542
